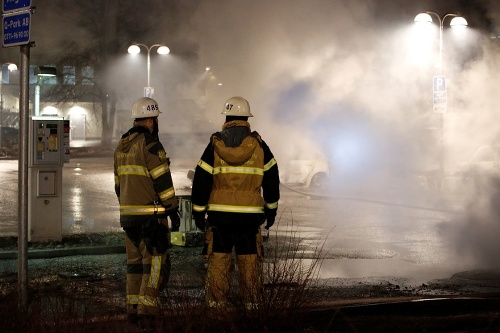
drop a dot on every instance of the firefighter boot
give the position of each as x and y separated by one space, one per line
217 282
250 279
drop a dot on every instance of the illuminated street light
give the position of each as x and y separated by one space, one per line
11 67
135 49
456 22
42 72
440 97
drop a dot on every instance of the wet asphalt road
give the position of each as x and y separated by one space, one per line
397 235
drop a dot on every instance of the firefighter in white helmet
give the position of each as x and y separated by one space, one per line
236 187
143 184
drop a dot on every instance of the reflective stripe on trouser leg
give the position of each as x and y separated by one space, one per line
152 278
217 281
250 278
134 275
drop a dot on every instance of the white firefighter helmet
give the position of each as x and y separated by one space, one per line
145 107
237 106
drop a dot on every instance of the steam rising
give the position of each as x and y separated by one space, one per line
351 82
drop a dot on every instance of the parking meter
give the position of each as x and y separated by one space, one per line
45 162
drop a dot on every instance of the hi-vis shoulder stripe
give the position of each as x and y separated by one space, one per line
141 210
236 209
241 170
205 166
269 164
137 170
159 170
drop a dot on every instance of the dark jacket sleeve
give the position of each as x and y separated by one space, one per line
203 181
270 182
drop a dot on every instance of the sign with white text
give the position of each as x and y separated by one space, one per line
16 29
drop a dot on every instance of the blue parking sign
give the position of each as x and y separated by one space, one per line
13 5
439 84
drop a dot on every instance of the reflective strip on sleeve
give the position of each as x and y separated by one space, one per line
117 181
270 164
159 170
141 210
236 209
137 170
167 194
197 208
272 205
205 166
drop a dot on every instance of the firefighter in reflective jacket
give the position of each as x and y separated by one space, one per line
143 184
236 186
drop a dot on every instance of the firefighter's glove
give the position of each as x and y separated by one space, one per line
176 220
162 238
270 217
149 231
199 220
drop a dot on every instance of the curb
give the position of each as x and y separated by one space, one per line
56 253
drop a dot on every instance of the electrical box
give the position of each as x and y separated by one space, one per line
188 234
46 158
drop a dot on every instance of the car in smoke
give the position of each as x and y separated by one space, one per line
10 141
482 169
306 173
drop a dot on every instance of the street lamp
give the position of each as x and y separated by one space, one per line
439 84
42 72
456 22
11 67
135 49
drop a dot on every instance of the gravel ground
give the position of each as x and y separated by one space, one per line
93 267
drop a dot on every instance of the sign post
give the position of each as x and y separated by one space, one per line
16 24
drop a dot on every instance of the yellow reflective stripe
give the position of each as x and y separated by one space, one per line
269 164
240 170
197 208
117 180
149 300
154 275
137 170
205 166
141 210
167 194
159 170
133 299
272 205
236 209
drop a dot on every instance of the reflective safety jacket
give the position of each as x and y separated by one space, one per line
236 177
143 182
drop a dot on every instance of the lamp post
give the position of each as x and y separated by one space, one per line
135 49
11 67
439 90
41 72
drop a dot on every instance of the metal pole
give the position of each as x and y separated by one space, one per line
22 256
149 63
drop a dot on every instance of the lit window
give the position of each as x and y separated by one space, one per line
87 75
69 75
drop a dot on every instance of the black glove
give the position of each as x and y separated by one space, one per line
270 216
270 222
176 220
199 220
162 238
149 231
